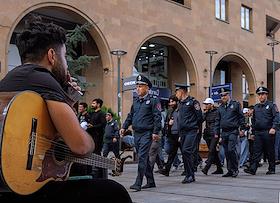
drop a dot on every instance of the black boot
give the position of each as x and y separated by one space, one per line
218 171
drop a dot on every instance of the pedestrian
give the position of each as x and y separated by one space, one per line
145 118
189 118
264 125
97 123
83 115
209 116
172 134
111 136
243 140
229 124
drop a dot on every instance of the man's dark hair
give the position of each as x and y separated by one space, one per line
98 101
37 38
173 98
111 113
84 104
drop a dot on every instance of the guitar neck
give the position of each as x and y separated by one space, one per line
93 160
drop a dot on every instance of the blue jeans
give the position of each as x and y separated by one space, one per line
277 145
244 150
167 147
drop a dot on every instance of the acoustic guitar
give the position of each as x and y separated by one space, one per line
29 156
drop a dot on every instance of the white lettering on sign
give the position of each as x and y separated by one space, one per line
129 83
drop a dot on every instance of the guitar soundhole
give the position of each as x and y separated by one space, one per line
60 151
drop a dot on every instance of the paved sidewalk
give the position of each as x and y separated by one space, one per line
260 188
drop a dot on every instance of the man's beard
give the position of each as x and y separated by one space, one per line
59 72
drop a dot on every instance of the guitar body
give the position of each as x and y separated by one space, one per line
30 153
16 122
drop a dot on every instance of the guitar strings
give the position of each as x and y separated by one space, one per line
66 156
92 159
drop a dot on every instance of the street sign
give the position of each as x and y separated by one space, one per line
129 83
215 91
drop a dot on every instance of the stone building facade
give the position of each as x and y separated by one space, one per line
239 30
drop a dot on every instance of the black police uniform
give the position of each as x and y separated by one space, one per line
190 115
111 132
145 118
265 117
229 121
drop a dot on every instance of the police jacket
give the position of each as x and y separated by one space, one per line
229 117
145 114
209 118
265 117
190 114
111 131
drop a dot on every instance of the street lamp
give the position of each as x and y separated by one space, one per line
211 53
119 53
272 44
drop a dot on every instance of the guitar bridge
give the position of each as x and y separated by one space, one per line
31 144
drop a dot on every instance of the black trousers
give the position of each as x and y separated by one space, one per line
188 145
213 157
174 145
229 141
93 190
263 143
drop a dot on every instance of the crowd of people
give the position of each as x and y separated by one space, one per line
241 136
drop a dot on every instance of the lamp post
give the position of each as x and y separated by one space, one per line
211 53
272 44
119 53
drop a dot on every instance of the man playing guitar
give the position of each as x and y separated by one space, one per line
44 70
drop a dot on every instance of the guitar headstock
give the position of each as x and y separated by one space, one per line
119 163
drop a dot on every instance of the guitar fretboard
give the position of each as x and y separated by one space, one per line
93 160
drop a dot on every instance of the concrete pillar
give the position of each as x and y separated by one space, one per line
236 80
277 92
176 69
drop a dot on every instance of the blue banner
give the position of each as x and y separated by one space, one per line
215 91
161 93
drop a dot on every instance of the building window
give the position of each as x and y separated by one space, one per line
221 7
246 18
179 1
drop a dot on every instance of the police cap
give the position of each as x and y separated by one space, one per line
224 91
262 90
181 86
142 80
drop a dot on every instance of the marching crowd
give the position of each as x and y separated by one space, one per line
243 136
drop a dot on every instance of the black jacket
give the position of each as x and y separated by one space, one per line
209 117
229 117
145 114
265 117
190 114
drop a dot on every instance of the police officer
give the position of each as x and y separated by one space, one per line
231 122
145 118
264 123
111 136
190 115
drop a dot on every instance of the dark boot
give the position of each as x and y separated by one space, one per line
218 171
204 170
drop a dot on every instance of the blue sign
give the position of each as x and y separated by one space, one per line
215 91
161 93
